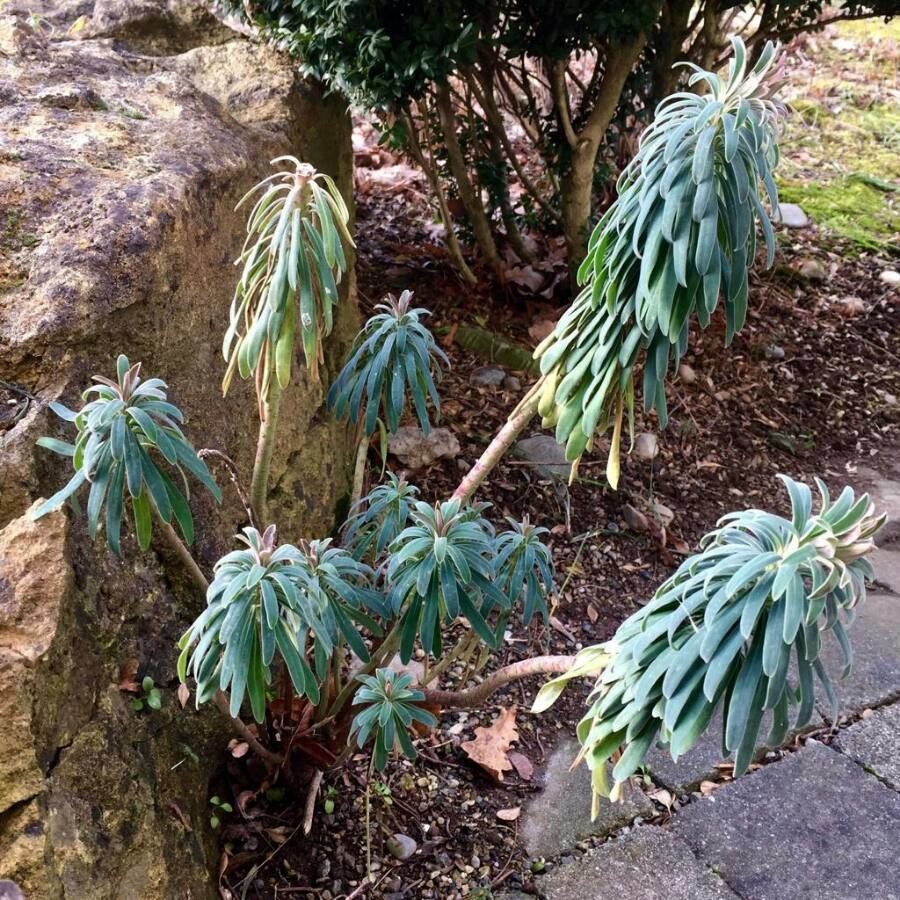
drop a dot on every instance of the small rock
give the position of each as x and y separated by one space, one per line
9 890
687 374
773 351
402 846
792 216
488 376
661 513
463 465
634 519
890 277
812 270
416 450
646 445
548 457
511 383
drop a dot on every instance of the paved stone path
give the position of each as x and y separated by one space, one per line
822 823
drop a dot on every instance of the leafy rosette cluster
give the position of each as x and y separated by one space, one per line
395 355
450 562
680 234
390 707
291 263
379 517
721 634
266 600
128 432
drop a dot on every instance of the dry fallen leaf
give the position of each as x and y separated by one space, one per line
184 694
541 329
522 764
489 747
592 613
128 677
509 815
707 787
663 797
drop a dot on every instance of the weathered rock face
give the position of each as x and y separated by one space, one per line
122 155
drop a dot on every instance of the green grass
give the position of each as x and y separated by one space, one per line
842 144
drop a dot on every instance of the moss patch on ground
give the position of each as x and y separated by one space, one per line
842 159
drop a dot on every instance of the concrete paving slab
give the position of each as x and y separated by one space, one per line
649 864
700 762
814 825
875 636
560 815
874 743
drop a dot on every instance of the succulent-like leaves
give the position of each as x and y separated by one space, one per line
524 568
266 600
722 631
127 429
680 233
292 261
379 517
442 567
393 355
391 707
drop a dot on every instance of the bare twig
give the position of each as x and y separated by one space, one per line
231 466
177 546
311 794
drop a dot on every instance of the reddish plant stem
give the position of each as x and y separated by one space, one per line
503 440
475 696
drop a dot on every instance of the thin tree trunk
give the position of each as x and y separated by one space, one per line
431 174
467 194
577 183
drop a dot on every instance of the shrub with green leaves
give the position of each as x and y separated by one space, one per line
439 568
267 599
394 355
127 430
524 568
291 263
390 708
721 632
680 232
379 517
449 563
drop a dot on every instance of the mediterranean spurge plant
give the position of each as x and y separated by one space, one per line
319 628
721 633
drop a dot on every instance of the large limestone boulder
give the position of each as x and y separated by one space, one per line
124 146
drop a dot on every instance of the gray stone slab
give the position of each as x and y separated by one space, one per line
875 744
813 825
560 815
887 567
648 864
875 636
700 762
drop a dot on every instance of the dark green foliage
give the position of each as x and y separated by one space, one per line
390 708
524 568
379 517
680 234
126 430
266 600
440 568
722 631
393 355
450 563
